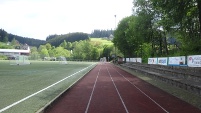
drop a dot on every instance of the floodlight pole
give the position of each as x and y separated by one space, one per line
115 21
115 45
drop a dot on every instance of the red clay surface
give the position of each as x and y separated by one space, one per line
108 89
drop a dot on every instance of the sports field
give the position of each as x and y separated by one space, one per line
27 88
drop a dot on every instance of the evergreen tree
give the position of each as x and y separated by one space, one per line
3 36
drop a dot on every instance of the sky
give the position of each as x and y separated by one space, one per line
40 18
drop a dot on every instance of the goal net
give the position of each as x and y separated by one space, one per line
19 60
103 59
62 60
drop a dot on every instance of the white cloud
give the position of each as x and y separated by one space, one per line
40 18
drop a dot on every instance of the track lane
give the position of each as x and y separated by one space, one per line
105 97
168 102
135 101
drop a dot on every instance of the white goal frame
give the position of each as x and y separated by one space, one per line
20 60
62 60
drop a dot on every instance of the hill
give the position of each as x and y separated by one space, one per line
56 40
8 37
102 41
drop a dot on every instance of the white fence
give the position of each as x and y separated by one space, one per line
194 61
191 61
134 60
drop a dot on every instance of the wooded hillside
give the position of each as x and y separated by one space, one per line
8 37
56 40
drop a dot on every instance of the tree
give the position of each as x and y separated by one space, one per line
48 46
60 51
108 51
95 53
183 17
199 12
41 47
101 33
69 46
77 51
87 50
56 40
160 25
44 53
120 40
14 42
135 33
3 36
63 44
34 53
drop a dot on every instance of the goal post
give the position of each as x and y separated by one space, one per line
19 60
62 60
103 60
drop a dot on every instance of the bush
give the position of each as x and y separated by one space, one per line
3 57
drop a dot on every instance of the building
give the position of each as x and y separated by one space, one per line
12 52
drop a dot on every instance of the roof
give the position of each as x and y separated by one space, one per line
14 51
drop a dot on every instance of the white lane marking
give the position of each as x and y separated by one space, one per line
92 91
143 92
15 103
118 92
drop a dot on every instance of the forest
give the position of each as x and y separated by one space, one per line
54 40
8 37
97 33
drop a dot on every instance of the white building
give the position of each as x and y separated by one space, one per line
11 52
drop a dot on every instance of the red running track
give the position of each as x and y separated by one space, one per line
108 89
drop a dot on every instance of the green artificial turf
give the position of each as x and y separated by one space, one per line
20 81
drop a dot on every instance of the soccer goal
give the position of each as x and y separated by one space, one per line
62 60
19 60
103 60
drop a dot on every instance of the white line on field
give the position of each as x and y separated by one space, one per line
92 91
142 92
15 103
122 101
